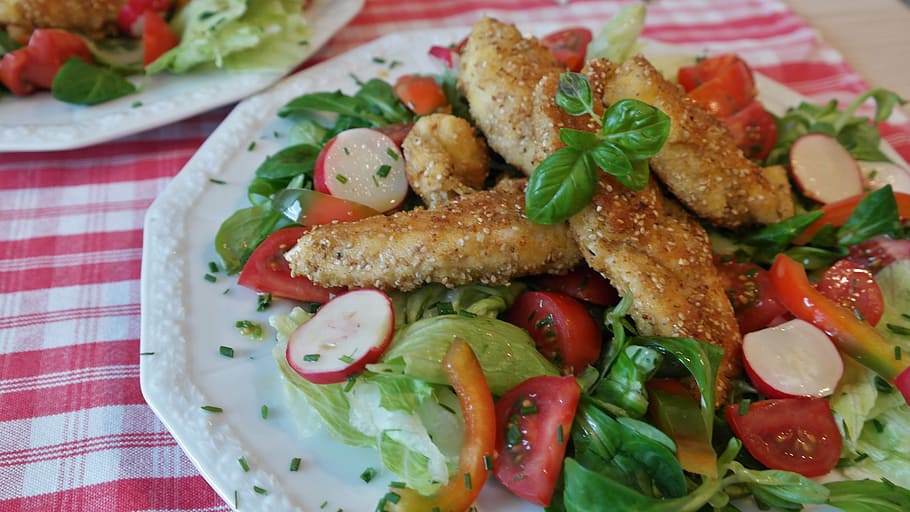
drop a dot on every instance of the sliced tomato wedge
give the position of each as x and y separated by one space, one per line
791 434
48 50
421 93
749 288
157 37
268 272
726 85
569 46
583 283
131 18
754 130
691 77
854 287
533 423
561 327
12 72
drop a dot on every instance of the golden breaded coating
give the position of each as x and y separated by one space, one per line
445 158
647 245
700 163
499 70
482 237
93 18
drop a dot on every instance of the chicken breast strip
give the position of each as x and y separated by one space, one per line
648 246
94 18
700 163
499 70
482 237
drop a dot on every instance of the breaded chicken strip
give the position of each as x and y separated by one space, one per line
700 163
445 158
649 246
499 70
94 18
482 237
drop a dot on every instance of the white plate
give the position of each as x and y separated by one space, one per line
41 123
185 318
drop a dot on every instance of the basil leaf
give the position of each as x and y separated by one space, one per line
777 236
638 129
875 215
561 186
638 178
868 496
573 94
7 43
289 162
81 83
241 233
611 160
578 139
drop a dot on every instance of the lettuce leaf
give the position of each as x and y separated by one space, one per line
236 34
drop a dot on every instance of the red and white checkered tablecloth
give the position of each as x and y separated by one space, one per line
75 432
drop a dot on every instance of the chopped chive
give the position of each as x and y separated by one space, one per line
519 477
394 64
445 308
346 359
311 358
467 314
263 301
897 352
397 485
467 481
212 408
368 475
375 180
252 146
349 383
264 412
392 154
217 181
303 42
210 278
879 425
213 267
295 464
341 178
236 500
136 104
259 490
226 291
898 329
906 316
324 503
346 150
487 462
226 351
243 465
528 410
391 497
249 328
882 385
276 134
744 406
383 170
146 353
378 60
861 457
559 434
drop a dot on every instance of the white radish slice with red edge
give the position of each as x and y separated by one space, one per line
794 358
878 174
364 166
346 334
823 169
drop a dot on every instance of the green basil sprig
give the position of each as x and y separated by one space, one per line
631 131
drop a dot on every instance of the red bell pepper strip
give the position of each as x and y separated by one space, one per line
852 336
838 212
460 492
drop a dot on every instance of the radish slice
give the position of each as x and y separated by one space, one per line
346 334
823 169
364 166
792 359
878 174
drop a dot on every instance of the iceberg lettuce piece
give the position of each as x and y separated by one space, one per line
506 353
473 299
236 34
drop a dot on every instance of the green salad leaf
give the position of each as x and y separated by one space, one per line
81 83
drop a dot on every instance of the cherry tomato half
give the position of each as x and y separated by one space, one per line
725 84
12 72
754 130
749 288
534 420
853 287
569 46
583 283
421 93
267 271
792 434
157 37
562 328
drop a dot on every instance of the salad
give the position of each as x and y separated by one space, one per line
450 384
152 36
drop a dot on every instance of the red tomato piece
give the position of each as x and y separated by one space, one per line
534 420
877 253
583 283
690 77
853 287
728 90
569 46
48 49
12 72
397 132
791 434
157 37
754 130
422 94
562 328
267 271
749 288
131 18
